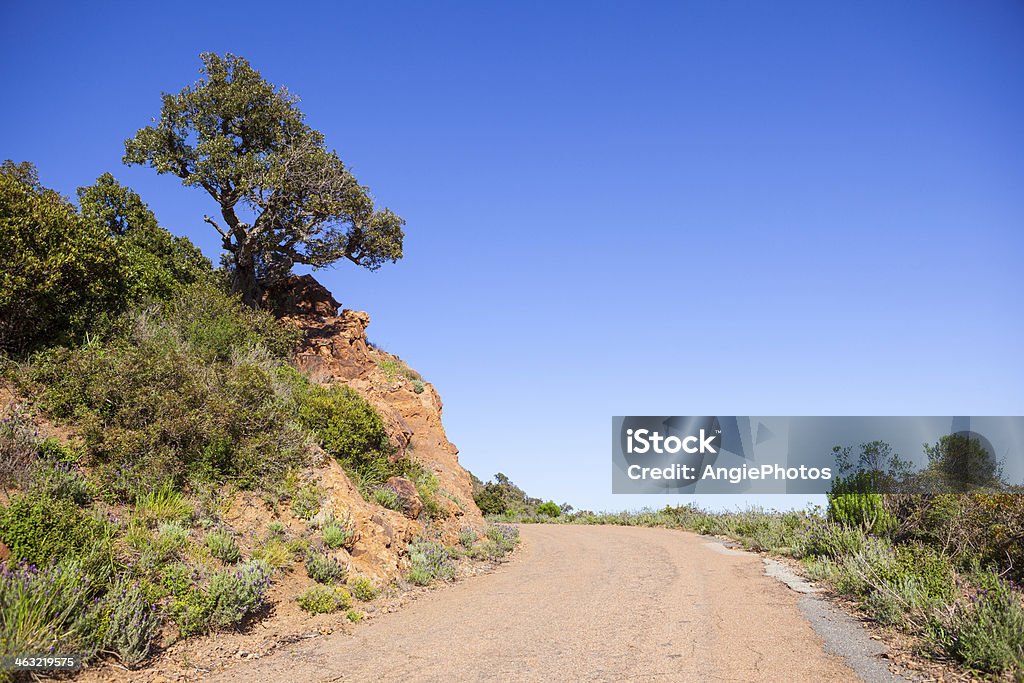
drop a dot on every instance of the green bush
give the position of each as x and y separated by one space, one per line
549 509
853 501
60 480
826 539
164 504
324 569
387 497
337 535
319 599
988 633
237 595
417 386
306 501
222 545
39 529
354 616
362 588
189 606
274 552
60 273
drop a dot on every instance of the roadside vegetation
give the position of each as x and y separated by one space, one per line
946 569
141 389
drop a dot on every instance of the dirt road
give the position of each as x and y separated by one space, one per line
581 603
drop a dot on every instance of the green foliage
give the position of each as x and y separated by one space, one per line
394 367
275 553
501 496
237 595
306 501
354 616
467 537
164 504
324 569
133 621
347 425
245 142
961 463
827 539
60 273
388 498
417 386
362 588
337 535
39 529
188 606
170 540
49 609
430 561
319 599
988 632
157 264
168 398
549 509
222 545
18 446
57 479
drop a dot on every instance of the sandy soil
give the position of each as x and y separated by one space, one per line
580 603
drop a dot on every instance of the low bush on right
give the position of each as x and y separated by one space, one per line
430 561
320 599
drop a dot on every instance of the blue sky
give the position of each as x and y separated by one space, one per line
673 208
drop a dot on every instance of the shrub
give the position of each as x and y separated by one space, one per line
60 273
306 501
277 529
38 529
346 425
430 561
58 479
337 535
395 367
222 545
133 621
319 599
354 616
362 588
467 537
986 634
417 386
237 595
387 497
18 437
549 509
826 539
324 569
504 536
189 605
170 540
43 610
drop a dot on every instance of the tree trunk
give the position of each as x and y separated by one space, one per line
244 282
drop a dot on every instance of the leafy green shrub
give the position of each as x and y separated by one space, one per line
504 536
549 509
277 529
395 367
236 595
170 540
57 479
319 599
853 501
189 606
826 539
417 386
354 616
324 569
362 588
430 561
467 537
346 424
986 634
60 273
38 529
222 545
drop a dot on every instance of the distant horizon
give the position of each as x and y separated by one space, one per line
688 209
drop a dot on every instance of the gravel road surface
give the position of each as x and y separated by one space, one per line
588 603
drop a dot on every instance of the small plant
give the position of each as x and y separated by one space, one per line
324 599
417 386
430 561
277 529
504 536
222 545
236 595
61 480
986 634
324 569
306 501
354 616
362 588
133 621
164 504
387 497
170 540
274 552
467 537
337 535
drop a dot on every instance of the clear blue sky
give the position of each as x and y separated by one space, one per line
670 208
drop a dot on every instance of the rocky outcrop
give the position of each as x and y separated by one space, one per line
335 350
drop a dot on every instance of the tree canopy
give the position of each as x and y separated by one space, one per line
283 197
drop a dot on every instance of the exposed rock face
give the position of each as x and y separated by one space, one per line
407 494
335 350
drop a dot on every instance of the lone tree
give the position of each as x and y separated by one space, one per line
284 198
